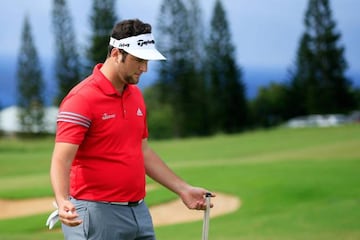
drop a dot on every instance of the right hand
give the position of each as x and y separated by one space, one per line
67 214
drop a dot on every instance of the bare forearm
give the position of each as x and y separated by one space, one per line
193 197
160 172
62 158
59 180
60 169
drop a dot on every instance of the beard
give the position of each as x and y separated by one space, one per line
131 80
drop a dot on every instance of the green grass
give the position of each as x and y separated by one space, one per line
293 183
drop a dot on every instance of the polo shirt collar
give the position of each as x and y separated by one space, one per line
103 83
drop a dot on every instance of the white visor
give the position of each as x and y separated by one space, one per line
141 46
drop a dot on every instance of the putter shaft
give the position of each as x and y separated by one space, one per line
205 232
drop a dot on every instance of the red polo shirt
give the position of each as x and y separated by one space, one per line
109 130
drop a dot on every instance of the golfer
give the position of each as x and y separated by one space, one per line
101 153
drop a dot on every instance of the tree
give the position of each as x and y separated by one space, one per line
199 118
102 20
302 83
269 108
160 114
67 64
30 84
356 91
227 91
181 79
318 78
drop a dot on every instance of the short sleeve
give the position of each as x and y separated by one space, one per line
73 120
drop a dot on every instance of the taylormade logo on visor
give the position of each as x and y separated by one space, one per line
145 42
141 46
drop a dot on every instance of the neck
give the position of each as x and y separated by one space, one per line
112 76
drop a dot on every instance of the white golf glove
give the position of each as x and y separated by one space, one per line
52 219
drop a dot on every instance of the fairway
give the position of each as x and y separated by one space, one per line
293 183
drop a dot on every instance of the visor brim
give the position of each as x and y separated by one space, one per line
146 54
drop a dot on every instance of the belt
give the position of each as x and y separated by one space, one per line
130 204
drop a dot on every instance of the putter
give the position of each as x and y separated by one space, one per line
205 232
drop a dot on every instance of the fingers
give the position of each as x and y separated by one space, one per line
202 205
70 218
195 198
68 214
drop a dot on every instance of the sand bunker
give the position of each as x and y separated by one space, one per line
165 214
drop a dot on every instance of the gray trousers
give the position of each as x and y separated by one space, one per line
104 221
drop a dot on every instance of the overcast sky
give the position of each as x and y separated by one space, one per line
265 32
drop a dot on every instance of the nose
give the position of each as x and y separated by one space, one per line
144 66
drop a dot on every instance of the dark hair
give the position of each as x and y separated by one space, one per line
128 28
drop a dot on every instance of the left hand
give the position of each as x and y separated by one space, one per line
194 198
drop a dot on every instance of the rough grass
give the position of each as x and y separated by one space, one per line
293 183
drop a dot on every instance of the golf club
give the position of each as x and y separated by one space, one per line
205 232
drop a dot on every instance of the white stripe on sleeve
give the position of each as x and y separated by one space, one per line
74 118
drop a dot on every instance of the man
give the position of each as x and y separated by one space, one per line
101 153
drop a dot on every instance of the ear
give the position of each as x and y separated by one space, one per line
117 55
115 52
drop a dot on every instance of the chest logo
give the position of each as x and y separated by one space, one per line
107 116
139 112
